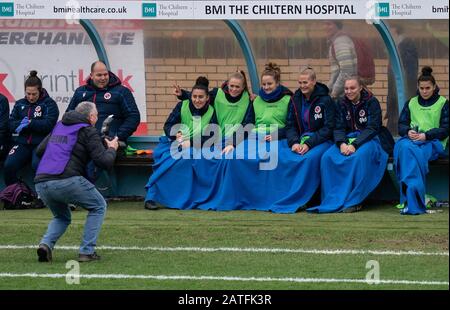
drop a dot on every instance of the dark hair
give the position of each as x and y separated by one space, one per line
273 70
96 62
33 80
201 83
240 75
426 75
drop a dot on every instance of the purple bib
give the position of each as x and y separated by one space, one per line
59 148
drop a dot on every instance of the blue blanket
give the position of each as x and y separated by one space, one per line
411 166
256 176
348 180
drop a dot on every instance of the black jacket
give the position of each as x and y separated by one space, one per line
436 133
88 147
43 115
321 118
115 99
4 118
364 117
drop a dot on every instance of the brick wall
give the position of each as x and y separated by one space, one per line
161 74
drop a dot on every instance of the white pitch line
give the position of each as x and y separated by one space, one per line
216 278
234 249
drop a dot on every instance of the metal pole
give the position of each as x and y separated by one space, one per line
240 35
96 40
394 59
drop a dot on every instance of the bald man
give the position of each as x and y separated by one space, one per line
110 97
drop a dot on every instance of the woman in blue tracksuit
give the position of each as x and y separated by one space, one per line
423 127
352 168
309 132
31 120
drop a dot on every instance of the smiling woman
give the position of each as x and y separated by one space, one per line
32 118
358 152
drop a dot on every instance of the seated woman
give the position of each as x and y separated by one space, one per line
272 104
352 168
232 104
31 120
309 131
423 126
4 127
280 185
186 124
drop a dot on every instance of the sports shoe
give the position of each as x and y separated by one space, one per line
150 205
44 253
430 201
352 209
400 206
84 258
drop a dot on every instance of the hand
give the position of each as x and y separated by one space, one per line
344 149
186 144
177 90
23 123
347 149
268 138
412 134
351 149
416 136
296 148
422 137
253 96
228 149
114 143
303 149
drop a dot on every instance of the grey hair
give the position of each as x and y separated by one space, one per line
85 108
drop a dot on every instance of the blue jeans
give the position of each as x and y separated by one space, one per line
57 194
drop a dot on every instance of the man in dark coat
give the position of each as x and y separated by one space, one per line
60 178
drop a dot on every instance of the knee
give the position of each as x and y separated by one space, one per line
101 208
66 220
327 155
9 166
403 144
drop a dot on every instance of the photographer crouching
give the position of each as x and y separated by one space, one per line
60 178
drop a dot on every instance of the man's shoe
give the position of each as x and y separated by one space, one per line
84 258
44 253
72 207
150 205
38 204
